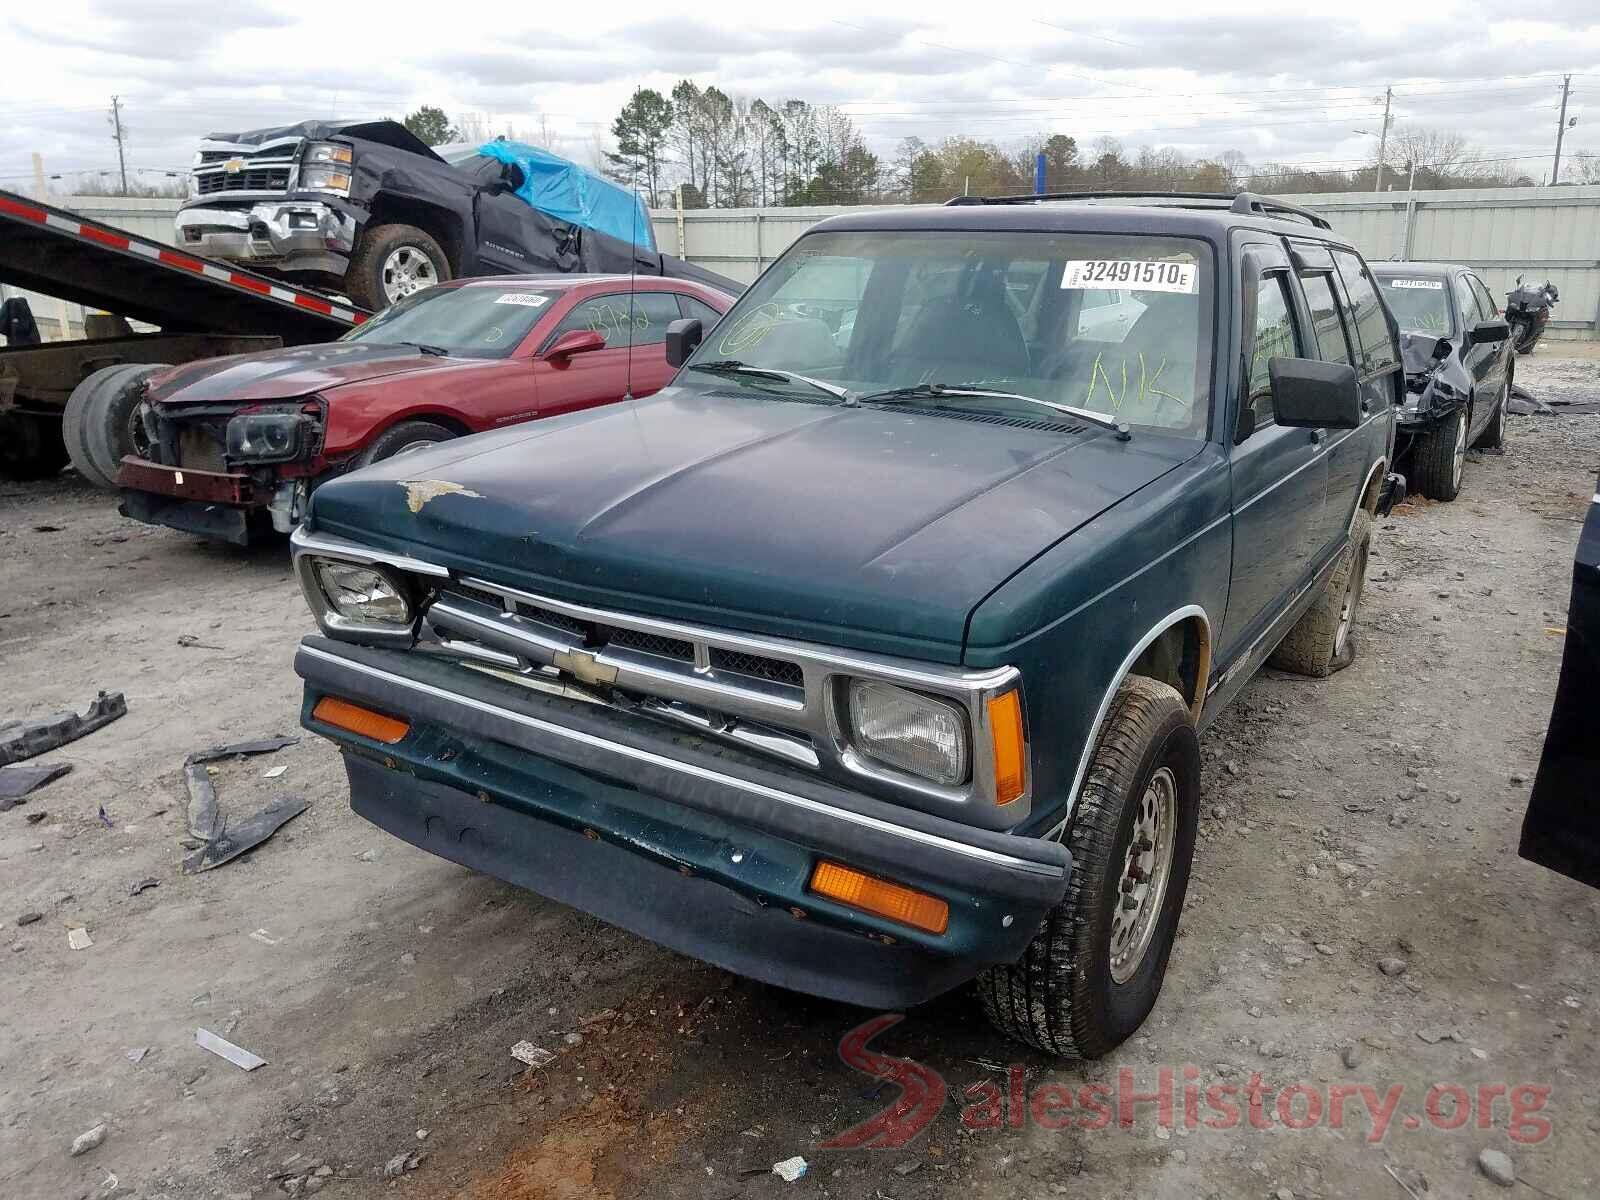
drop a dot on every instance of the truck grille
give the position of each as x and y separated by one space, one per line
274 179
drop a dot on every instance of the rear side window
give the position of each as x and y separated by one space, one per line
1275 337
699 310
1378 351
1327 325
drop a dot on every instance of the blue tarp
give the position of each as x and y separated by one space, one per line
568 192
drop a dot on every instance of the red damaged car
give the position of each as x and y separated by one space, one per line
231 447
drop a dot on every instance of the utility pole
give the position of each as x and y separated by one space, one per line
1383 138
1561 129
116 125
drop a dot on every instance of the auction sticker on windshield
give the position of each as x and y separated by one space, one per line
1140 275
1432 285
526 299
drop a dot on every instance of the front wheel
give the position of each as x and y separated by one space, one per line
403 439
393 261
1440 456
1092 973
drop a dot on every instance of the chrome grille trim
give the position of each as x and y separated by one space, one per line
558 644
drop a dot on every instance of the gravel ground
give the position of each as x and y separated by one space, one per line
1369 819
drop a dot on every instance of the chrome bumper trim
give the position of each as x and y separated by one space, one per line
721 779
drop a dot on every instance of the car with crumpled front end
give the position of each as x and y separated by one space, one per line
870 657
231 448
1459 369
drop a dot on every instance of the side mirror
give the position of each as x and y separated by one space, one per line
1489 330
575 341
1441 349
1310 394
683 339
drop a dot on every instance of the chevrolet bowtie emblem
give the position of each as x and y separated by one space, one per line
582 665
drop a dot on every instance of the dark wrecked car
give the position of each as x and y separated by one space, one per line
870 656
1562 827
1459 366
230 448
368 210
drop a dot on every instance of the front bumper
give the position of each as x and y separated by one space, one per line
213 504
301 235
701 847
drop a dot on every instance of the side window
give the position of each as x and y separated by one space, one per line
1327 325
652 313
1466 301
1486 304
606 315
700 311
1371 323
1275 337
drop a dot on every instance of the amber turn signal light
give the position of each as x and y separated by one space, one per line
1010 747
354 719
880 897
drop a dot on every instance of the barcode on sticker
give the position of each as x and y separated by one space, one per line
1135 274
1432 285
526 299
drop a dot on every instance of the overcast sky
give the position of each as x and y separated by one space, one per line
1203 76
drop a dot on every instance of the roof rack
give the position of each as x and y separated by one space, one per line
1244 203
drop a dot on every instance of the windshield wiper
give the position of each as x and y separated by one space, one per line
732 366
434 351
938 391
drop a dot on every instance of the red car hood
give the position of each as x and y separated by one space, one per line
294 372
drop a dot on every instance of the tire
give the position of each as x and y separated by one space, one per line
97 423
1439 456
1067 995
1494 433
1321 641
382 251
403 438
30 446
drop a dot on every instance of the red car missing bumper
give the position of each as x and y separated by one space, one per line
230 448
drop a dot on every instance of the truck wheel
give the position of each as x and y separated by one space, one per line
1320 642
97 425
30 446
1093 971
392 261
1438 457
402 439
1494 433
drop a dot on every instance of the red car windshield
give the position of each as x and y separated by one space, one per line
472 322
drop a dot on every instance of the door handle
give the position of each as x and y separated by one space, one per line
1317 435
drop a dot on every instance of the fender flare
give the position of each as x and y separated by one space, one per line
1167 622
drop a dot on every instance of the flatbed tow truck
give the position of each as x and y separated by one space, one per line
73 400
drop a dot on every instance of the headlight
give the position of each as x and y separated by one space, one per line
329 152
325 179
909 731
362 594
267 437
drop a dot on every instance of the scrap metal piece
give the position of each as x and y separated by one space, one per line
79 939
205 818
237 1055
239 749
17 782
246 835
21 740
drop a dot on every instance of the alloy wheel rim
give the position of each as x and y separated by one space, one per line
1352 597
1459 459
407 270
1146 868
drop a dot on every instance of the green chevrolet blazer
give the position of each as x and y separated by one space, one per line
870 657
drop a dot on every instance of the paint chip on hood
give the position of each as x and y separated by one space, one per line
420 491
